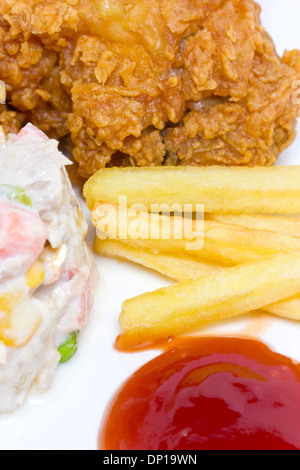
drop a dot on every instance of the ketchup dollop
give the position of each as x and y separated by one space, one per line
208 394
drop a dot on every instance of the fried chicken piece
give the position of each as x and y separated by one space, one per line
252 131
191 82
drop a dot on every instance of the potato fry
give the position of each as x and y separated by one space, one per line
179 268
284 225
189 305
222 244
274 190
289 309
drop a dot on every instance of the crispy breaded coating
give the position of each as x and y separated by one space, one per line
191 82
251 131
10 121
29 68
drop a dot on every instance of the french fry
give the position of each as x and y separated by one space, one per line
278 224
289 309
235 190
221 243
179 268
189 305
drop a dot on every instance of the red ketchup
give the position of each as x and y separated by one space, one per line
208 394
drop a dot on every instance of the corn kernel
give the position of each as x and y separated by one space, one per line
19 325
35 275
8 302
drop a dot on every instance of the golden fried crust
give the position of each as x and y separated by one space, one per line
251 132
219 58
29 69
191 82
53 108
10 121
184 16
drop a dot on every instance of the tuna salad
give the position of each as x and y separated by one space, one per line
47 272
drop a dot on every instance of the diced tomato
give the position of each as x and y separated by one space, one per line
22 233
31 131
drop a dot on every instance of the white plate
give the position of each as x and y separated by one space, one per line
69 415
